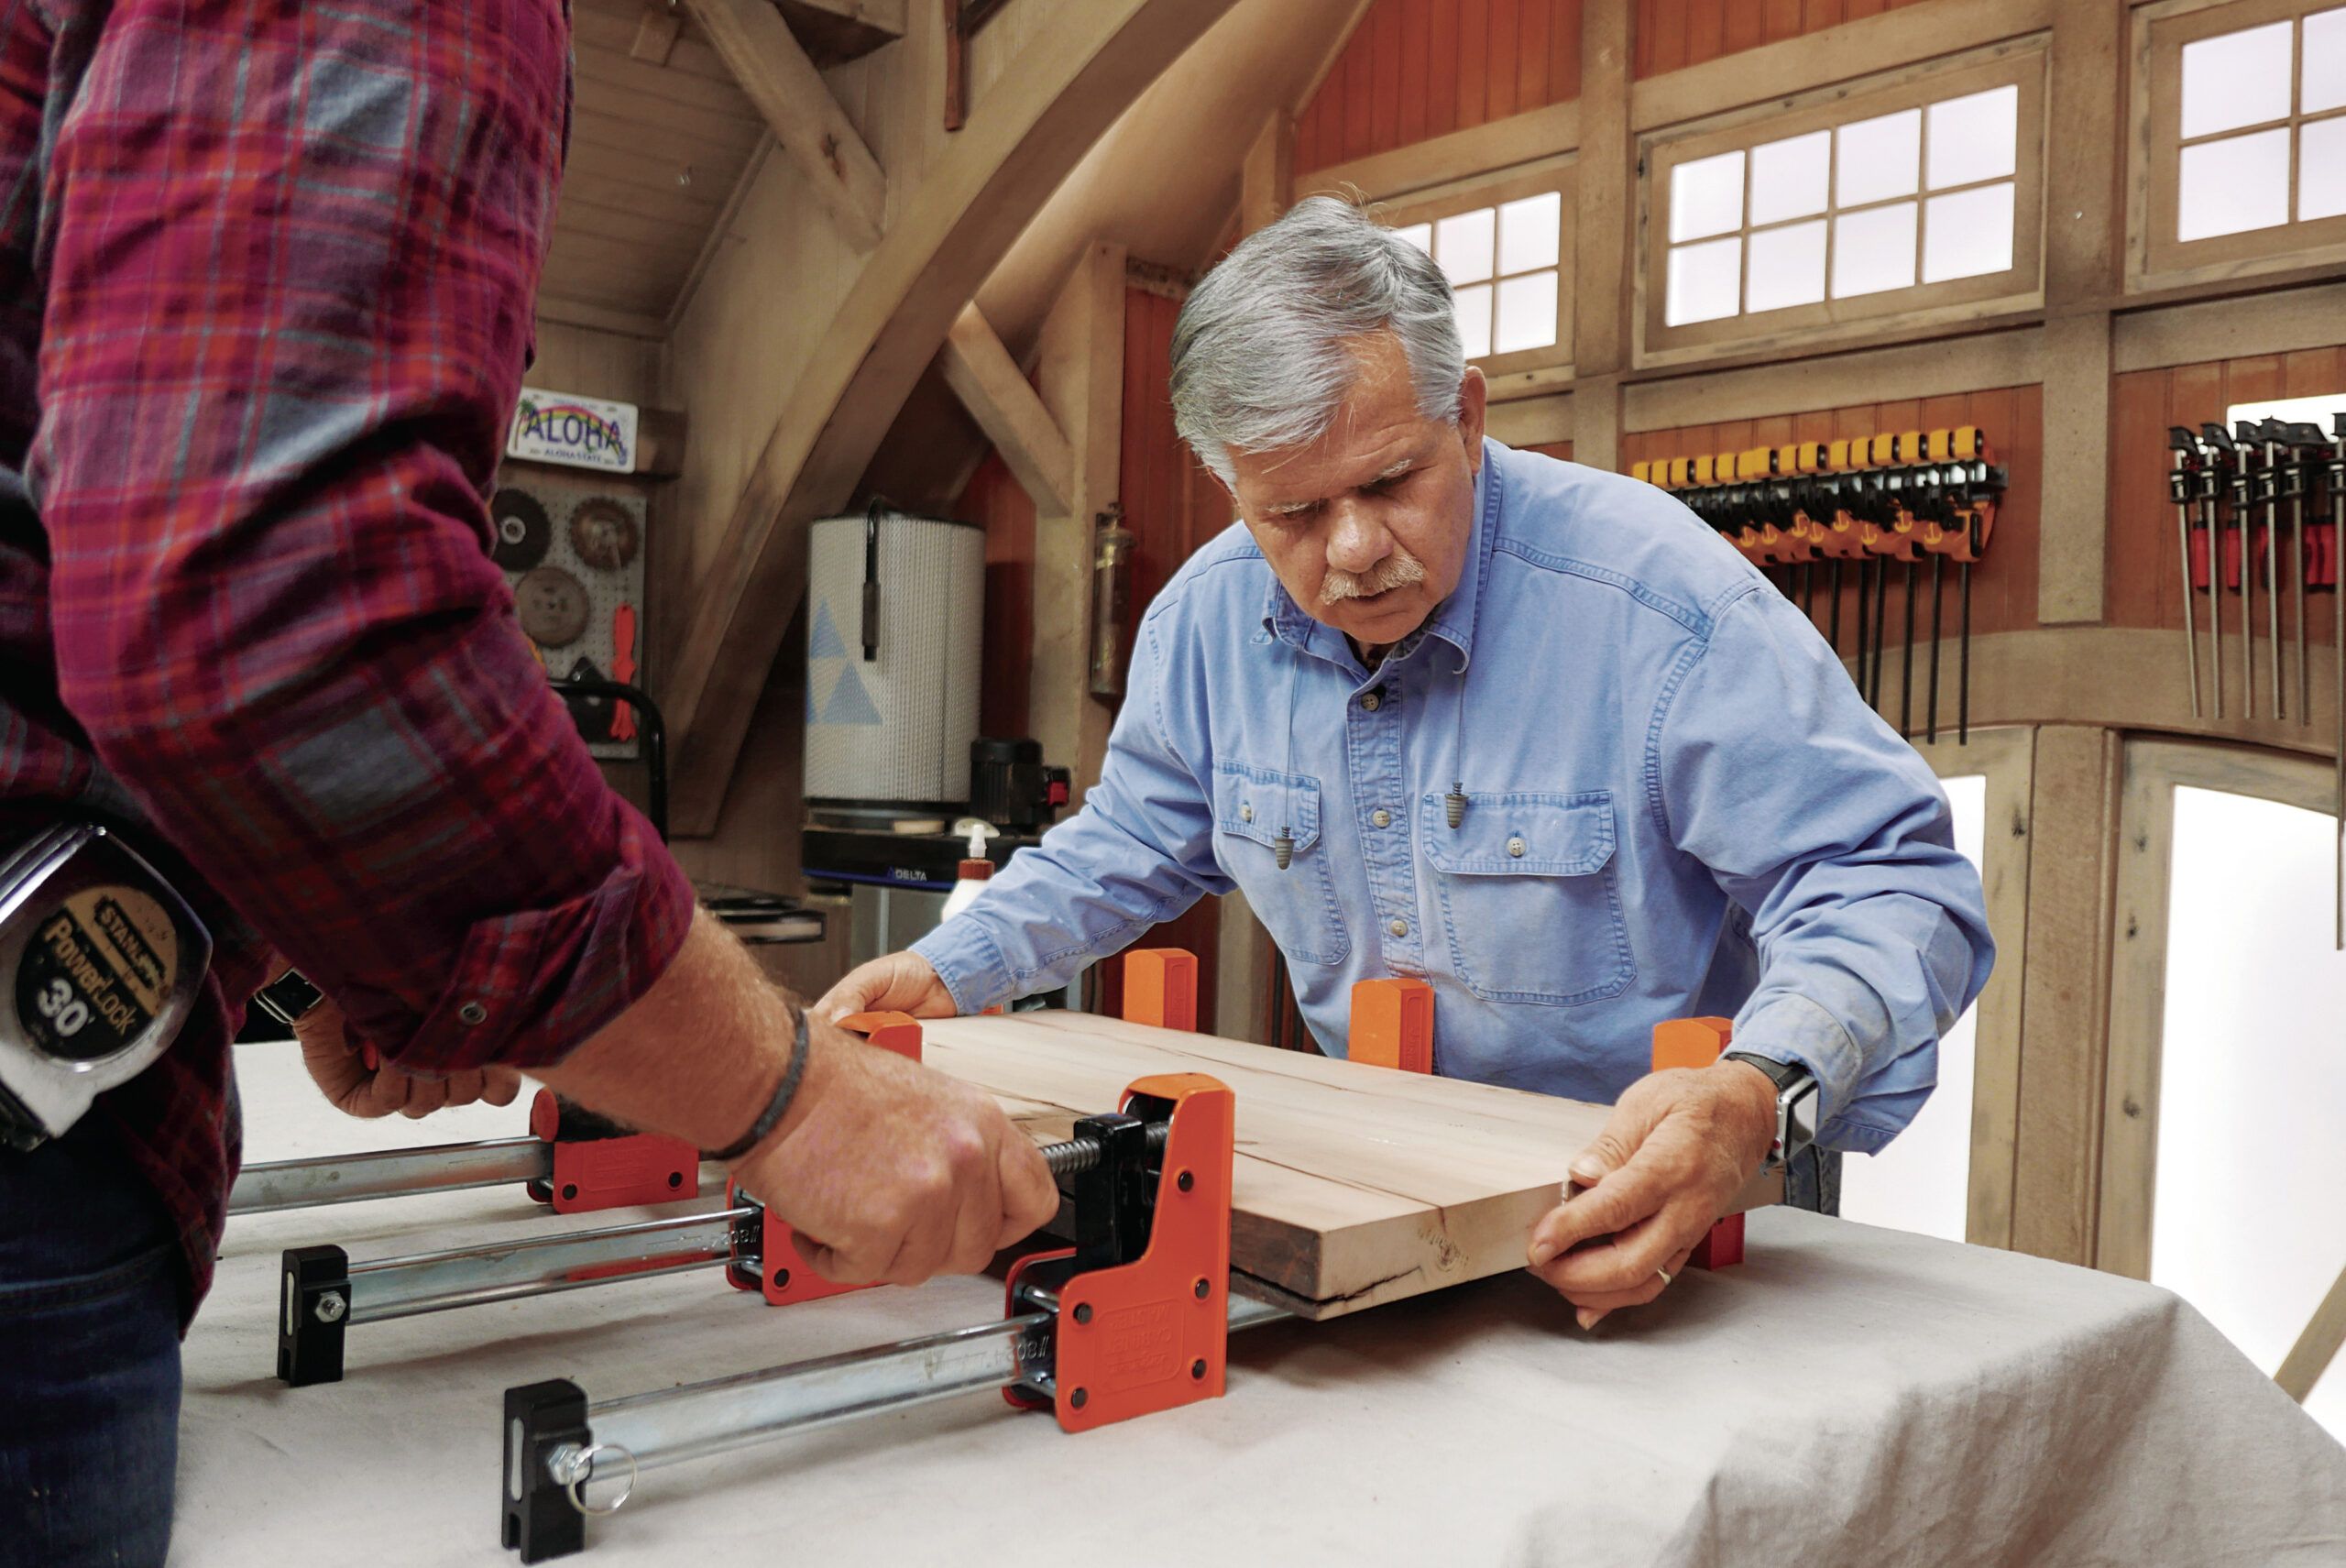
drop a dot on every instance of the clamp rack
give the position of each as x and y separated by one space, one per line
324 1294
2229 489
1899 496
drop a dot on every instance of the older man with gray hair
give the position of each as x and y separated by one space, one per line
1526 730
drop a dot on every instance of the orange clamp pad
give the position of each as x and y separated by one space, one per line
1392 1025
1161 988
591 1174
783 1277
1697 1043
1152 1334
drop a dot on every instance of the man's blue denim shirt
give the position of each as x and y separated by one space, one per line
1677 805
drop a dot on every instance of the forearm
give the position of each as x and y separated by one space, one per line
698 1055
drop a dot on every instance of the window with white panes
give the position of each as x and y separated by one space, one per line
2246 107
1501 244
1884 204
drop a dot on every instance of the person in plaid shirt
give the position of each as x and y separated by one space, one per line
266 283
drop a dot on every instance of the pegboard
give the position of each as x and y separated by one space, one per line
608 586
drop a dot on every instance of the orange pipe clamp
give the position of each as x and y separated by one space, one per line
783 1277
1152 1334
1161 988
1697 1043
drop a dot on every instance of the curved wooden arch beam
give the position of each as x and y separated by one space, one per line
1026 135
2115 677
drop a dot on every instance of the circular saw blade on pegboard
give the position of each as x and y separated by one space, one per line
593 531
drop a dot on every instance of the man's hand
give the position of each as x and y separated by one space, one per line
901 982
886 1171
1678 1145
356 1089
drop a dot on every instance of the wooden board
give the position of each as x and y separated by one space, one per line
1353 1185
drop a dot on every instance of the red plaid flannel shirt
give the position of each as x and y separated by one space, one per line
266 284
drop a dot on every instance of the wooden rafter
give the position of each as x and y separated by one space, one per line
813 132
1058 96
991 385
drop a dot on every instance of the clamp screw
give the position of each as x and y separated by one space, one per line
1185 1182
1197 1371
782 1279
1200 1287
1079 1397
569 1191
331 1307
1083 1311
676 1179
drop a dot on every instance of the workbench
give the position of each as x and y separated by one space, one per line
1847 1395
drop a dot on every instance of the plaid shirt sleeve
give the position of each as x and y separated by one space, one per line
290 257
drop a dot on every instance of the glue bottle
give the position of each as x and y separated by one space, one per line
975 871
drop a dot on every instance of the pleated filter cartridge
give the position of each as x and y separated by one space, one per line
893 731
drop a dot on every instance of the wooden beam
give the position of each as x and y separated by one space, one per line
1062 91
1266 179
1605 199
2318 1346
1459 155
835 31
2281 323
600 318
1082 376
1977 364
2063 1009
995 391
1532 421
655 34
814 133
2074 516
1862 47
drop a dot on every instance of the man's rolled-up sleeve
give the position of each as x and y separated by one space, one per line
1817 819
289 308
1139 852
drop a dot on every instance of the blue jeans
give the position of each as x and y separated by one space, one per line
89 1284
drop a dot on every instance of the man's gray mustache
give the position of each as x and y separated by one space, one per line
1398 570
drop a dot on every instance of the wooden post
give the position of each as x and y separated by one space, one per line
1392 1025
1161 988
1082 376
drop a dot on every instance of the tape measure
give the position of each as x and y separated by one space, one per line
100 963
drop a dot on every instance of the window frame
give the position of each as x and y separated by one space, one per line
2007 757
2156 260
2021 64
1557 175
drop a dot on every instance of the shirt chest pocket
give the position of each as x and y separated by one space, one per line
1297 906
1529 895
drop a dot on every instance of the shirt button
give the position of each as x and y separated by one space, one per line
473 1013
1382 818
1245 813
1514 847
1372 702
1399 927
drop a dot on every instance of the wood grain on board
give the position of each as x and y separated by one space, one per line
1353 1185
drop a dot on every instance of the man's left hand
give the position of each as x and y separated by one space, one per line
343 1076
1679 1147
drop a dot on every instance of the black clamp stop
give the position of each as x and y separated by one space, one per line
314 1311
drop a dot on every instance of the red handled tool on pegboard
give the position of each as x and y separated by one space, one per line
623 670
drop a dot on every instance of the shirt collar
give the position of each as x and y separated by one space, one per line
1452 619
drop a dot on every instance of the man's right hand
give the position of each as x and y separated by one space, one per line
889 1171
901 982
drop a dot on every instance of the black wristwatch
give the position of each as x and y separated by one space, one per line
289 998
1797 1100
